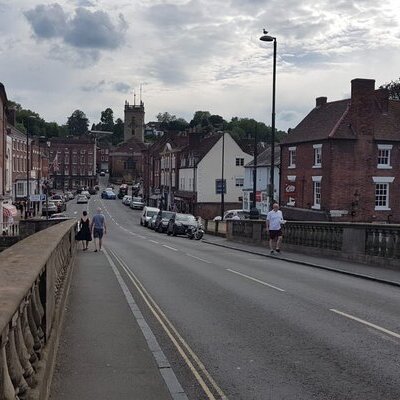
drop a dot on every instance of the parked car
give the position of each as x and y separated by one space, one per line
147 214
108 194
232 214
60 216
58 199
86 193
152 221
81 199
137 203
127 200
92 191
70 195
161 222
49 208
179 223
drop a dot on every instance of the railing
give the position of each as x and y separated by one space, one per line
217 228
33 276
360 242
9 229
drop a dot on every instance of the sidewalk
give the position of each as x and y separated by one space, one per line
371 272
103 354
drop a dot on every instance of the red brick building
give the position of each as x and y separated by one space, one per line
3 134
73 162
126 161
342 161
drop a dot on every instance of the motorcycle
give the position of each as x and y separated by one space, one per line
195 231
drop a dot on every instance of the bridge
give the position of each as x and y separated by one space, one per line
158 317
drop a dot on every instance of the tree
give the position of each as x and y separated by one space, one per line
394 89
107 120
118 131
169 122
200 119
218 122
77 123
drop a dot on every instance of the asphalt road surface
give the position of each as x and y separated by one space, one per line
239 326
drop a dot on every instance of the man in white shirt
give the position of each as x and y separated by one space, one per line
274 224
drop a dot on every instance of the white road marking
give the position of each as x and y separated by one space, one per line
169 247
154 241
141 237
169 330
256 280
362 321
198 258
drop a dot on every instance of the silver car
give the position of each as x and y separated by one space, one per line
137 203
148 212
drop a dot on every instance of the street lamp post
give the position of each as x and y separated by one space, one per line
268 38
222 186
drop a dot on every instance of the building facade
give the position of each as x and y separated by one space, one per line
73 162
343 159
262 182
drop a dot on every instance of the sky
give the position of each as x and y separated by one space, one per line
56 57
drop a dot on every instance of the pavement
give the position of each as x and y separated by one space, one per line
104 351
381 274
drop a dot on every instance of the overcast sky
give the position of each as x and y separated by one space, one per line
56 57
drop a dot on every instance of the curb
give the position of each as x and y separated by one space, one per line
309 264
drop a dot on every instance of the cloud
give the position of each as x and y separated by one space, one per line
47 21
105 86
83 30
95 30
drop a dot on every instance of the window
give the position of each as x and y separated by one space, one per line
66 158
317 155
384 151
292 157
74 158
20 189
316 192
82 160
239 182
382 192
239 162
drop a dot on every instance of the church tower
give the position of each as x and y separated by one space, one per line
134 121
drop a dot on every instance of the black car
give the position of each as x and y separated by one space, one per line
179 223
162 220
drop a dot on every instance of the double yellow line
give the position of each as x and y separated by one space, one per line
203 377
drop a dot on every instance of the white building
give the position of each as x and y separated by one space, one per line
202 170
263 181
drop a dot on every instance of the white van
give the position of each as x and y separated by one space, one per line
147 214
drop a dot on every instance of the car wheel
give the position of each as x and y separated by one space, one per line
168 232
141 222
174 232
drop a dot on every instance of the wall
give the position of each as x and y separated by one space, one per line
209 169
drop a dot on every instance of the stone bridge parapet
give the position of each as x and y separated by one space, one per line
34 281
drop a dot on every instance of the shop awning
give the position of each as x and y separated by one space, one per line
9 210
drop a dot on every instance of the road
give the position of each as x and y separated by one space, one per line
239 326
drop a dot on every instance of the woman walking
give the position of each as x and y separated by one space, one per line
84 233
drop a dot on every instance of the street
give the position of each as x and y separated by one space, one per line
240 326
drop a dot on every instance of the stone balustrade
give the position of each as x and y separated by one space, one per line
370 243
217 228
34 276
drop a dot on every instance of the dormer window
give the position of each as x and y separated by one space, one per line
384 151
317 155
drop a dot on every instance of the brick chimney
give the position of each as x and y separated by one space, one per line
320 101
382 97
363 108
362 88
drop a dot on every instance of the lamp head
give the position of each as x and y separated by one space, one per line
267 38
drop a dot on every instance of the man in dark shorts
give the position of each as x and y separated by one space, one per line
274 223
98 228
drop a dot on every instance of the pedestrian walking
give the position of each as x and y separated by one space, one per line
84 235
274 227
98 228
